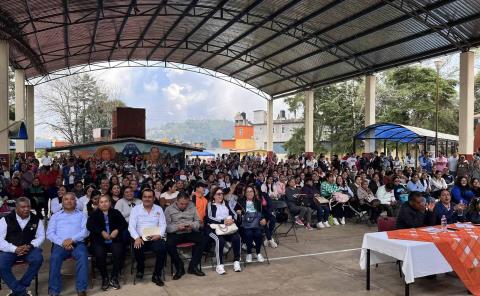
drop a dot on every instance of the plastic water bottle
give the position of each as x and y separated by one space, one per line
444 223
461 206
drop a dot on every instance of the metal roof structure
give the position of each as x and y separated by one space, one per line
401 133
276 46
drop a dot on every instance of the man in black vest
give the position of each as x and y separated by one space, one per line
21 234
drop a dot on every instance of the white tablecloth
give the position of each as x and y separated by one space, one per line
419 258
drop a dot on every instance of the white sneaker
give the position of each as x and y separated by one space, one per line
260 258
244 247
265 242
342 221
248 259
327 224
272 243
220 269
236 266
320 225
335 221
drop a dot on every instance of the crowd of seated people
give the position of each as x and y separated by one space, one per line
95 208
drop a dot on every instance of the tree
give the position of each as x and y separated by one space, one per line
477 94
78 105
405 95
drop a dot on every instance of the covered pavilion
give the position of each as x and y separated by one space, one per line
274 48
407 135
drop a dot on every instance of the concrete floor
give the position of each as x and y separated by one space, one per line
323 262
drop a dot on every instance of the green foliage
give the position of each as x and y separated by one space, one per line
477 94
206 131
405 95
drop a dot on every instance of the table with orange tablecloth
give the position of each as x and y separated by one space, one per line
419 258
459 245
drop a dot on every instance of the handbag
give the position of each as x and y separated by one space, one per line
251 220
340 197
321 199
222 229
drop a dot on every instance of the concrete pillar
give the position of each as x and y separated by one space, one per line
30 112
270 128
4 141
308 117
467 99
370 88
20 145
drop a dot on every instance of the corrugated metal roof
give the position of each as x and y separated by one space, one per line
278 46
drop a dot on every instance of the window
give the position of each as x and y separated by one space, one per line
273 130
283 129
241 131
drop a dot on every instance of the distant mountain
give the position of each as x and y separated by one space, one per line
206 131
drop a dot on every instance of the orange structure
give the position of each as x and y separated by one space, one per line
243 135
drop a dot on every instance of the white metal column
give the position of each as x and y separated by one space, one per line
466 105
308 117
30 112
4 110
270 127
370 88
20 145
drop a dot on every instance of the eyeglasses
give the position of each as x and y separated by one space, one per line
219 193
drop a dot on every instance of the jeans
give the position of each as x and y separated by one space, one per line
198 238
7 260
338 211
100 250
323 211
270 227
159 248
220 243
305 213
59 254
251 235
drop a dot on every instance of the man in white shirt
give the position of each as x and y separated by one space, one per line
352 160
409 161
452 164
46 161
21 234
147 227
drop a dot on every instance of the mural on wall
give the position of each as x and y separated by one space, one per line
151 152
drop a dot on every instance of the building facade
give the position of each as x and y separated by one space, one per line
283 130
243 139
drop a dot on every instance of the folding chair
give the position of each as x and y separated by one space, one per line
264 251
280 206
183 246
23 263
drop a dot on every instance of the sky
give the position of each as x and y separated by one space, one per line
171 95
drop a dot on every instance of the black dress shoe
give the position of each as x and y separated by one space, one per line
105 283
158 280
178 275
139 275
196 272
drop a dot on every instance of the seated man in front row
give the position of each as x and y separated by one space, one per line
147 227
67 230
415 213
21 234
183 225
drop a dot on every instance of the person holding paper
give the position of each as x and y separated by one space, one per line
147 228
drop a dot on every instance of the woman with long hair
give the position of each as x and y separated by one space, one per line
115 194
462 192
249 208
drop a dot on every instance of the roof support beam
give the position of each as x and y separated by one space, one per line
223 29
95 28
198 26
66 21
149 24
312 35
373 49
122 26
297 23
335 44
29 11
174 26
271 17
422 15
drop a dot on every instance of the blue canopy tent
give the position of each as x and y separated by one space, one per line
203 153
400 133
